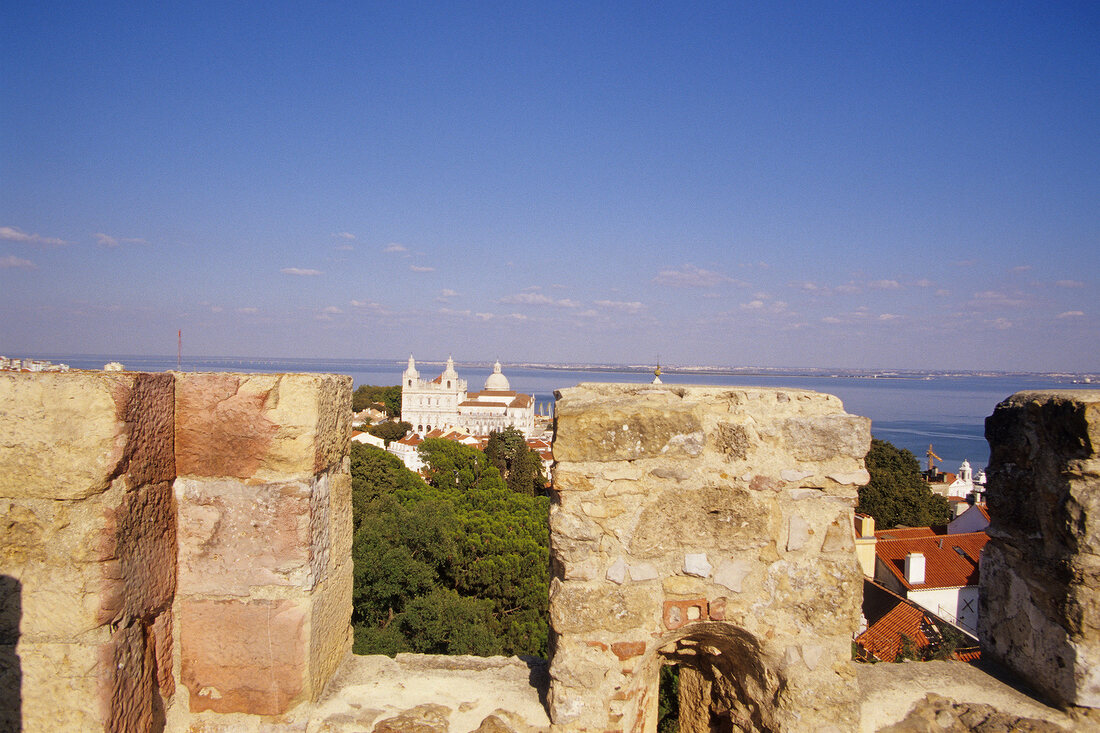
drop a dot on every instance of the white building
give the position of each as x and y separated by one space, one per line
443 403
965 483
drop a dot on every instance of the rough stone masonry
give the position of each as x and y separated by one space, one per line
175 547
708 527
1040 571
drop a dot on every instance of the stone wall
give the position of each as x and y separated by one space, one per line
172 544
1040 571
709 528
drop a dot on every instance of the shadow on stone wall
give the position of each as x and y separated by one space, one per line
11 674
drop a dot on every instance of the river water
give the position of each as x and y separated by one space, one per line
947 412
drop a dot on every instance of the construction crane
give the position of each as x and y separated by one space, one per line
932 456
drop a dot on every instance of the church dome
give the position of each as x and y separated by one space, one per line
497 380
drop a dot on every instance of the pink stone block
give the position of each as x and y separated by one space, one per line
244 657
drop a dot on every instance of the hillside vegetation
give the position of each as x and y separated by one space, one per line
455 565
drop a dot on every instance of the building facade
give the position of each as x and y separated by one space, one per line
444 403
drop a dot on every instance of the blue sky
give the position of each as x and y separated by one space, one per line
789 184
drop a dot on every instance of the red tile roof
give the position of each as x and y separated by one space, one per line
904 533
883 638
951 561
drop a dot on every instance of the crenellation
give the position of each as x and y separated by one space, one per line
182 561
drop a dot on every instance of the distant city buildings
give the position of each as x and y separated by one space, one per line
444 403
30 365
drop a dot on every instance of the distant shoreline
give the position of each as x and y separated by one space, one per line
598 368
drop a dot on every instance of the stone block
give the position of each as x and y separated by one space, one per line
234 536
625 422
244 656
267 427
822 437
66 436
582 608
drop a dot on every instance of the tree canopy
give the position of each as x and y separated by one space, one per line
389 431
896 494
520 466
367 394
457 565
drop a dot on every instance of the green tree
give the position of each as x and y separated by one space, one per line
896 494
457 565
520 466
367 394
389 431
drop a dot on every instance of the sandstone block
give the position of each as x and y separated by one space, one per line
624 423
67 435
266 427
234 536
244 656
580 608
821 437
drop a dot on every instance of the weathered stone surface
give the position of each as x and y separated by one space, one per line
262 426
704 514
426 718
598 425
936 713
235 535
819 438
244 657
578 608
1040 611
62 436
728 516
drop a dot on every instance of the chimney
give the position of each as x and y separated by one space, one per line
914 568
865 526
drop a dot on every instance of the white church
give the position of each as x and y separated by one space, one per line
443 403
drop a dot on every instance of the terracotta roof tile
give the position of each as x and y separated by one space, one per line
951 561
883 638
902 533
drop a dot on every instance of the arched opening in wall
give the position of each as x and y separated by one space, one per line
720 682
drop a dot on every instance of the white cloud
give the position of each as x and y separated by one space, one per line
690 276
11 261
447 293
299 271
1070 284
1021 268
344 248
884 285
924 283
632 306
248 311
995 297
831 319
344 235
943 292
216 309
888 317
752 305
395 247
331 309
13 234
421 268
1071 314
106 240
848 289
530 298
1002 324
518 316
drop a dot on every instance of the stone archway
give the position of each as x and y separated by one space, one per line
725 683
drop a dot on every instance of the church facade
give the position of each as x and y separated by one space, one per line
445 403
